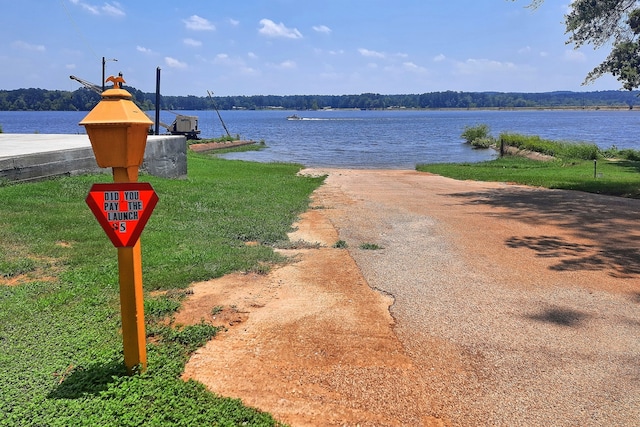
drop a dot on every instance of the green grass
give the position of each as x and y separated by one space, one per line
340 244
558 149
240 149
60 346
223 138
370 246
618 178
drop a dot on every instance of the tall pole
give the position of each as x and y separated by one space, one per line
103 64
157 132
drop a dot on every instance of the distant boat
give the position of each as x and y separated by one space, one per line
294 117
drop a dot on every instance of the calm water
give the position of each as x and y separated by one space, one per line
372 139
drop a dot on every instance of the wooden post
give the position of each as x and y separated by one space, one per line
131 293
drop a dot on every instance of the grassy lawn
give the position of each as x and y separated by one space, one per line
573 165
617 178
60 347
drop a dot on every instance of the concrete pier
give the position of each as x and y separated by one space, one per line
27 157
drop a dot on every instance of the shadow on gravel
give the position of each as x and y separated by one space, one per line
561 316
611 223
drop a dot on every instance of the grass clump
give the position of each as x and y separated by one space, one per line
164 305
296 244
563 150
190 337
473 133
220 139
370 246
340 244
478 136
60 342
614 152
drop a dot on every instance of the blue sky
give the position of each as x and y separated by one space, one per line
285 47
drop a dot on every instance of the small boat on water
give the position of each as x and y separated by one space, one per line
294 117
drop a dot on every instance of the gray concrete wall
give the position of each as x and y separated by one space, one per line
165 156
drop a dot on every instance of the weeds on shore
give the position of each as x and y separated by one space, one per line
370 246
479 137
340 244
220 139
573 166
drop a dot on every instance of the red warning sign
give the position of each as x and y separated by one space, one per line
122 209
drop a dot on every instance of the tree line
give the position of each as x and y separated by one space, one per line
84 99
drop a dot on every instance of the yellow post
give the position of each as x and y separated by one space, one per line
132 307
118 131
131 293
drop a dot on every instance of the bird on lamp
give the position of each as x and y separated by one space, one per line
117 81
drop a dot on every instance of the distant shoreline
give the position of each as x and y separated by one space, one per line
560 108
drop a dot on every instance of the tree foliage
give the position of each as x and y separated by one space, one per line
84 100
598 22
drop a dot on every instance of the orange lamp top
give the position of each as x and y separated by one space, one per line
117 130
116 108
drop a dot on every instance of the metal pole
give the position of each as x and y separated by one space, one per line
103 62
157 132
219 116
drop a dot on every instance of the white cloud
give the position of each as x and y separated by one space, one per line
19 44
248 71
524 50
143 49
174 63
287 64
234 22
271 29
475 66
574 56
371 53
225 59
113 9
439 58
252 55
322 29
284 65
192 42
197 23
89 8
236 64
109 8
410 66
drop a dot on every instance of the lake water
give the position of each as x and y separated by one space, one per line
372 139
